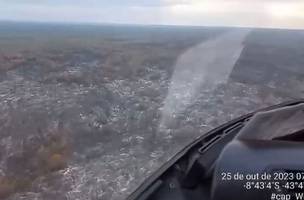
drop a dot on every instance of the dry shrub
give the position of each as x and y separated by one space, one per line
7 186
10 185
50 155
53 155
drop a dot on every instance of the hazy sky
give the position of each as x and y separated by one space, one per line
255 13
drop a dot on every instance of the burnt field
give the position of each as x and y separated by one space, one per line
88 112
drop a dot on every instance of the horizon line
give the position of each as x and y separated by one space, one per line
146 25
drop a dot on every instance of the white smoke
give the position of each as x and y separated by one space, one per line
205 65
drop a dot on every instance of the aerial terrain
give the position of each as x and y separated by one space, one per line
87 112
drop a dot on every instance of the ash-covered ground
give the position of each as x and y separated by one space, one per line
88 112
